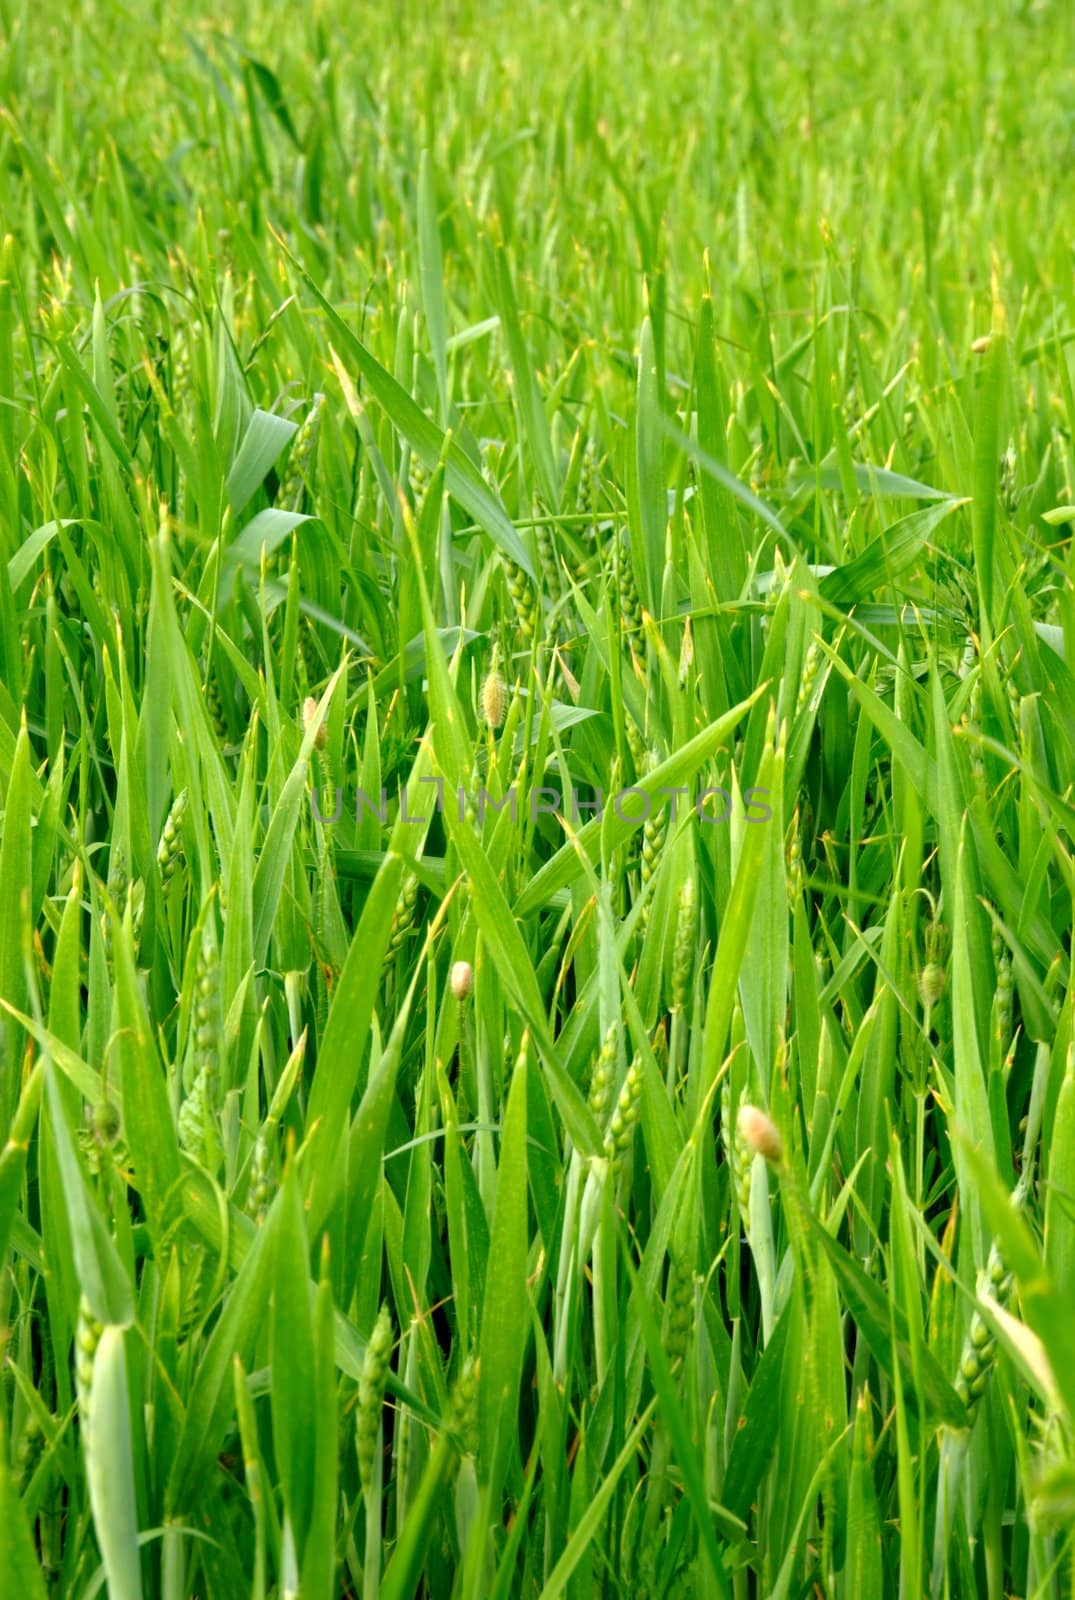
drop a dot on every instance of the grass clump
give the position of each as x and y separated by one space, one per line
536 750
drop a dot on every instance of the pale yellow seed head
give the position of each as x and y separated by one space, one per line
494 699
462 979
309 712
761 1134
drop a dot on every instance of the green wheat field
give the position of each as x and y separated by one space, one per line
537 761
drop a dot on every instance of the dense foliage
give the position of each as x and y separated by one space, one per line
471 416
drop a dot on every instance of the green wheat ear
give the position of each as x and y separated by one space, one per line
402 918
371 1389
293 487
88 1333
521 595
624 1118
604 1075
169 850
683 949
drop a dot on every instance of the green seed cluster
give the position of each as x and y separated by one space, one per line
660 1047
550 566
636 744
795 864
402 918
215 707
88 1333
170 848
654 834
1009 478
118 876
262 1186
1003 1001
931 981
590 484
105 1121
193 1120
683 949
521 595
604 1076
739 1154
308 653
183 367
624 1117
980 1346
136 900
932 978
101 1134
208 1024
197 1114
464 1407
679 1310
30 1448
300 461
630 603
371 1387
809 676
418 476
122 888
